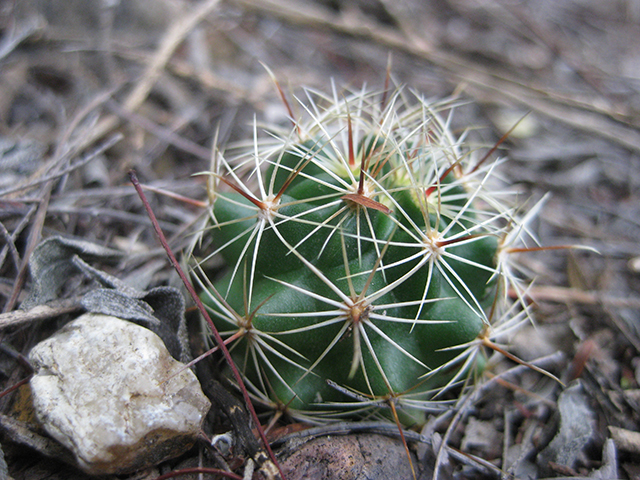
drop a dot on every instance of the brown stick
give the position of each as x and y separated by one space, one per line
40 312
199 304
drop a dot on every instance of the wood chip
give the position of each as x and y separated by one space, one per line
626 440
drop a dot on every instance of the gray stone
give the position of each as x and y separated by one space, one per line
109 390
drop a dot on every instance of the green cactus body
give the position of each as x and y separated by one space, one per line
362 263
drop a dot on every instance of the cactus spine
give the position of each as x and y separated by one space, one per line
366 257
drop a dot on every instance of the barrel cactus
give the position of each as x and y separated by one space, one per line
367 257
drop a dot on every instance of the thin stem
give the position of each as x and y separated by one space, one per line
191 471
203 311
404 441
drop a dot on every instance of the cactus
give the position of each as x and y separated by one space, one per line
367 258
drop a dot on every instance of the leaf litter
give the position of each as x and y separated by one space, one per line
190 70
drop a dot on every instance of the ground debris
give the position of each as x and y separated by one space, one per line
626 440
576 431
349 457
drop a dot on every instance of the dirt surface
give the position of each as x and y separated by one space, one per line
90 90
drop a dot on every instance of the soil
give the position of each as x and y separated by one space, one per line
91 90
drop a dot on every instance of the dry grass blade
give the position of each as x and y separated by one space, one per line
32 242
58 173
496 85
179 30
41 312
172 40
572 295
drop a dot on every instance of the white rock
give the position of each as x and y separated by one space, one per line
100 388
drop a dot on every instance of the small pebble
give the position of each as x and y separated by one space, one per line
110 392
349 457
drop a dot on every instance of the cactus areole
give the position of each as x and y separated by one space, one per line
362 257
